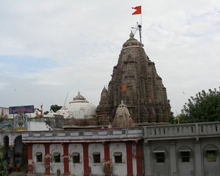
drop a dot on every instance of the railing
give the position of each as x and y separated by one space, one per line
85 134
153 132
36 119
178 130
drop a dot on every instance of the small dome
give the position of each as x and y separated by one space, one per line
122 117
79 99
79 108
132 42
104 92
122 110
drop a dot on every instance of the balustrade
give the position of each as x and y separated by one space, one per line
179 130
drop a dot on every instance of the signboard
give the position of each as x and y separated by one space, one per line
21 109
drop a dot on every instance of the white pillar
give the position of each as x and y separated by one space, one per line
198 158
148 167
173 161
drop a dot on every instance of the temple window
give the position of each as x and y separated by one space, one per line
96 157
38 157
185 156
56 157
160 157
211 155
118 157
76 157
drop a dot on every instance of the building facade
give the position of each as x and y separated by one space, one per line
161 150
180 150
85 153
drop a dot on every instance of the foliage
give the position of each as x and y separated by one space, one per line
55 108
211 156
2 172
46 112
204 107
173 120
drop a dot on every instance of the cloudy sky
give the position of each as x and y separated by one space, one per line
51 48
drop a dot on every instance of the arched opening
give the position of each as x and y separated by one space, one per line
211 159
20 152
185 160
6 149
160 161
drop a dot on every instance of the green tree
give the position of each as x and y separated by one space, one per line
173 120
2 172
46 112
55 108
204 107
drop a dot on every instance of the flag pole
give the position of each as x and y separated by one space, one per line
140 26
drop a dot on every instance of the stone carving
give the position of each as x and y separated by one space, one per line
136 82
122 117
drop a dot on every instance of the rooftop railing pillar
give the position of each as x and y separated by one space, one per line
198 156
148 165
197 128
173 161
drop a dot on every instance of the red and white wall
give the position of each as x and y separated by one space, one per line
127 166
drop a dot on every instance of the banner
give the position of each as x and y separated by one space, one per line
21 109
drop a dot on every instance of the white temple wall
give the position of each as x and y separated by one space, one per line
96 168
55 165
76 168
118 168
37 126
38 166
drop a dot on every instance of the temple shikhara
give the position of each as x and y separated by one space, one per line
136 82
127 134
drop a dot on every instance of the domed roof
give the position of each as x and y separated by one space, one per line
122 117
79 108
132 42
122 110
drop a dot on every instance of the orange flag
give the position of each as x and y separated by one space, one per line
123 88
138 10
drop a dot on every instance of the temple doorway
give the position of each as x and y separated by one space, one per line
6 149
20 152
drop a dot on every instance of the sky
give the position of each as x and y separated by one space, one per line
52 49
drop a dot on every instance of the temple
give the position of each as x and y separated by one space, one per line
127 134
136 82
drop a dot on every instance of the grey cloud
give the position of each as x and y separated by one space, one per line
85 38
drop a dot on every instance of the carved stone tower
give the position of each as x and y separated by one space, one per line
136 82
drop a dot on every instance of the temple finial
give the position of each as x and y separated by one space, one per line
131 35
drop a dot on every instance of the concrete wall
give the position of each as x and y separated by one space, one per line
118 168
76 168
56 148
37 126
96 168
38 167
173 165
197 140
